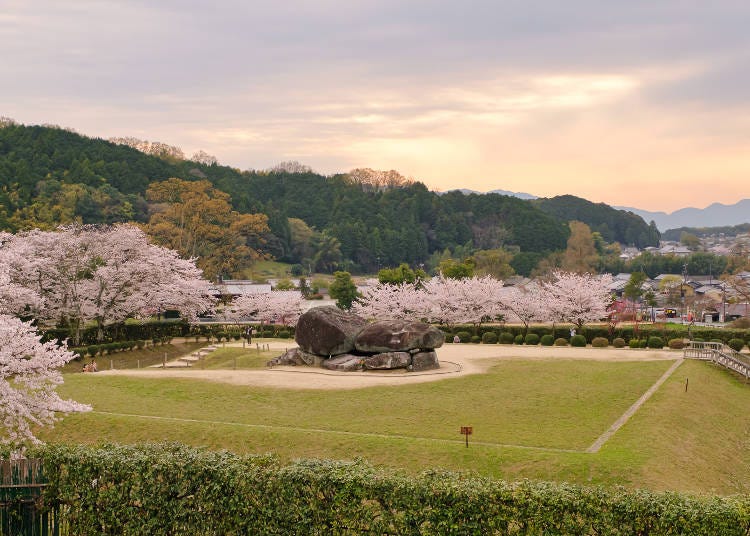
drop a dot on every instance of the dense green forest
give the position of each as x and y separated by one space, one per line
613 225
50 176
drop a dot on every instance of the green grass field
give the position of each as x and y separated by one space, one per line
531 419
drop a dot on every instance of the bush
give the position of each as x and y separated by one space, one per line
92 350
698 339
506 337
283 334
720 341
655 342
634 343
531 339
676 344
476 339
140 343
578 341
643 343
548 340
618 342
489 337
599 342
740 323
464 336
561 341
518 339
736 344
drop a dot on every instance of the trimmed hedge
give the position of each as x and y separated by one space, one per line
676 344
518 339
547 340
561 341
506 337
531 339
464 336
578 341
600 342
736 344
634 343
166 489
618 342
655 342
489 338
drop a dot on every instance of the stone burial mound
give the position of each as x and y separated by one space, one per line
336 340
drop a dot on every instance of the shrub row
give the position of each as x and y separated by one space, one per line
507 333
111 347
164 489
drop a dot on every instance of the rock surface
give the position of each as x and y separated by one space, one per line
328 331
344 363
424 361
398 336
294 357
387 361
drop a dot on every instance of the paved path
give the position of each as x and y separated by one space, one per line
632 409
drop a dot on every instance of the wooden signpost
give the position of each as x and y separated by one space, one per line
467 431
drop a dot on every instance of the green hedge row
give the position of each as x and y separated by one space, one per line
165 489
591 332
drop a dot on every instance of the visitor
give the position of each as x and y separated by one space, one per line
93 367
456 339
248 334
572 332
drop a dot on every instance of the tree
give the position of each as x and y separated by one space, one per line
580 298
343 290
634 287
580 256
276 307
197 220
402 274
390 301
452 269
470 300
493 262
525 304
28 379
102 274
690 241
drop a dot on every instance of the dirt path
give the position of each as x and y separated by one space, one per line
456 361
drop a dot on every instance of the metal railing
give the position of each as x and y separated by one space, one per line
718 353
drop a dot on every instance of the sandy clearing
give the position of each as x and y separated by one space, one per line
456 361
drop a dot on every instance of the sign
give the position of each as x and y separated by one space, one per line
467 431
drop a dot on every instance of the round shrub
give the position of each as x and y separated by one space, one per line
561 341
676 344
634 343
140 343
489 338
599 342
655 342
578 341
237 336
618 342
547 340
518 339
465 336
720 341
736 344
531 339
92 350
698 339
506 337
476 339
284 334
643 343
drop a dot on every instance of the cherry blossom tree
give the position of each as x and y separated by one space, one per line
102 274
524 304
471 300
579 298
276 307
388 301
29 376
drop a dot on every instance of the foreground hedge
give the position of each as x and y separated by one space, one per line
160 489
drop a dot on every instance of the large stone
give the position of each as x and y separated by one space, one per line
424 361
327 331
343 363
388 360
294 357
398 336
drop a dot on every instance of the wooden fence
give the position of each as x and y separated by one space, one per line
22 508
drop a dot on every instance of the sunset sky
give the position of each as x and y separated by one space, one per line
637 103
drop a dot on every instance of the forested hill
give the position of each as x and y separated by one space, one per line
50 176
614 225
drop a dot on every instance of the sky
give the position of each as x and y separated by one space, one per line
639 103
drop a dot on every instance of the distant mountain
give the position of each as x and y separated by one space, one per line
519 195
714 215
